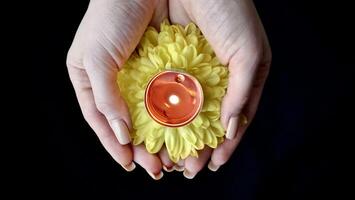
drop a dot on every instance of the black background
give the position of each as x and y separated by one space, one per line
295 148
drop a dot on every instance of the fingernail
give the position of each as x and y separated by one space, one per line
168 169
156 176
130 167
120 129
212 166
189 174
232 128
179 168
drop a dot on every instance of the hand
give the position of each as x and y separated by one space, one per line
106 37
235 32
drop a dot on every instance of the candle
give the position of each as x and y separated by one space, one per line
173 98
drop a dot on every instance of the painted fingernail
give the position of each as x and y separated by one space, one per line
168 169
189 174
130 167
232 128
120 129
156 176
179 168
212 166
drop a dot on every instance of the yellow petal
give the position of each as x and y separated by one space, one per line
187 134
170 140
186 150
138 139
205 122
194 153
180 40
213 92
217 128
151 34
202 73
211 138
197 60
140 118
192 40
207 49
211 105
156 60
192 29
189 52
165 37
213 115
212 80
153 143
197 122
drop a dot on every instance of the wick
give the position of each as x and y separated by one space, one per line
180 78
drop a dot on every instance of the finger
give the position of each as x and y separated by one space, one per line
102 72
180 166
160 13
248 72
168 165
178 14
151 163
120 153
224 151
242 69
193 165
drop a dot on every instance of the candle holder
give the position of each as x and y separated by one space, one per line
173 98
173 85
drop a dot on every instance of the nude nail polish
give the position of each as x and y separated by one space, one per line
130 167
121 131
188 174
168 169
211 166
232 128
156 176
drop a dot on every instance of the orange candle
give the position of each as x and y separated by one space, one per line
173 98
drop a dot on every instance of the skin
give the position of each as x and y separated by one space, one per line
109 33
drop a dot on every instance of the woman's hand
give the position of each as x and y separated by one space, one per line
106 37
235 32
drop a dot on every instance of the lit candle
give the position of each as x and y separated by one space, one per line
173 98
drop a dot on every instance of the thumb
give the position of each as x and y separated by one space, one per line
242 69
102 73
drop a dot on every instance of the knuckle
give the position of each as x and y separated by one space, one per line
73 61
104 108
90 117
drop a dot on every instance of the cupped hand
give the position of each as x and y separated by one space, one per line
107 35
235 32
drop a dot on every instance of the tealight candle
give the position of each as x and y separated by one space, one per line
173 98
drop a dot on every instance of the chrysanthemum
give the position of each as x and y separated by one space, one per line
184 49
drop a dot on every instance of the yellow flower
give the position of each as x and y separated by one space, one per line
184 49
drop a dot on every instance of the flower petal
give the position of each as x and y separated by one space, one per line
187 134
